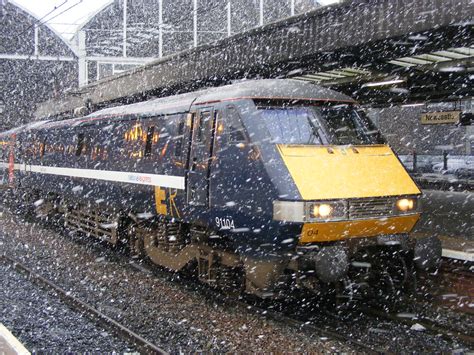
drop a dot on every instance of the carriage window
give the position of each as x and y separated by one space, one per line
235 130
42 148
135 137
80 144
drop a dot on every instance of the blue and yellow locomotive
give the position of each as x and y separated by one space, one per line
266 184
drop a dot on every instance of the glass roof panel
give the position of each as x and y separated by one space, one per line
414 60
452 55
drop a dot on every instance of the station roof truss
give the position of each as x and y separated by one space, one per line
451 56
452 60
335 74
381 52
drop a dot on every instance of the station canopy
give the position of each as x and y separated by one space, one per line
381 52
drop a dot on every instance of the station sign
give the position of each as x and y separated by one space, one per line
441 117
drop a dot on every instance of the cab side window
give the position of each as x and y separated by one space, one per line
179 138
150 139
234 130
205 118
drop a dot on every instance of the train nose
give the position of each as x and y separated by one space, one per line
427 252
336 172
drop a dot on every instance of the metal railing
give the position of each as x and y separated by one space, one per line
461 166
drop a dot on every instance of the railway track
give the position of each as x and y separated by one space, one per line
334 334
428 324
461 269
452 287
303 323
450 271
269 314
102 320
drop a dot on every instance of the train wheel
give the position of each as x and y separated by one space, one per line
411 282
382 274
390 274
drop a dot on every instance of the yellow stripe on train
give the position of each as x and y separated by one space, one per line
332 231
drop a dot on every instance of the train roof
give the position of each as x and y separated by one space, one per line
25 127
249 89
272 89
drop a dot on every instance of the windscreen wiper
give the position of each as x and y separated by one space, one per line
314 130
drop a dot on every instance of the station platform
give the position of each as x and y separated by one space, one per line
444 182
448 215
455 248
9 345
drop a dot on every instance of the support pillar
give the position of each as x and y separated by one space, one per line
160 28
124 30
229 19
36 51
81 50
195 23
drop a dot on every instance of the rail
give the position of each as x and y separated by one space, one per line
98 317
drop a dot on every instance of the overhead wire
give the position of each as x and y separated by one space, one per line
54 9
38 21
45 22
69 8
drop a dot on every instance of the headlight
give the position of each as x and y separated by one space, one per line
301 211
405 205
322 211
338 210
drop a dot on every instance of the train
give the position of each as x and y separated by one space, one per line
266 186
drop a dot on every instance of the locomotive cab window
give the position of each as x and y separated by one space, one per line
235 131
317 124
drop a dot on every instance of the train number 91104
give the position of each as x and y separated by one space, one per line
225 223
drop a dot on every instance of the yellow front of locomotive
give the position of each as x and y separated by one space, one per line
350 191
353 192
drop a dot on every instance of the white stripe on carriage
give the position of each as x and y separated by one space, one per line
169 181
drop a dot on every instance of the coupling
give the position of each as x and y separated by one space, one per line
331 263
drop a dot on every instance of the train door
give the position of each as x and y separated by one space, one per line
203 122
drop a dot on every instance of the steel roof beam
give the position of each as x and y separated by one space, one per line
37 57
367 30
